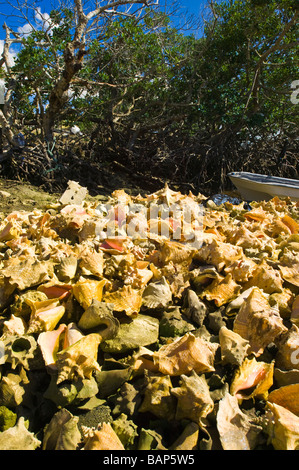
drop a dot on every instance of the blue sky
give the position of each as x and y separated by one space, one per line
194 7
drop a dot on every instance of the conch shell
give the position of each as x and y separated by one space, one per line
66 269
171 251
104 438
157 396
79 359
44 315
235 429
157 294
219 254
257 322
234 348
287 397
223 291
287 356
194 399
295 311
282 427
266 278
125 299
97 315
185 354
85 290
252 379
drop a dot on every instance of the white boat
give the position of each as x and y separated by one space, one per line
256 187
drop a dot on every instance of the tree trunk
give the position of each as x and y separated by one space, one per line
59 95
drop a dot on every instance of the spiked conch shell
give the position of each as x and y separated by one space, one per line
266 278
171 251
219 254
185 354
235 428
85 290
45 315
194 399
79 359
234 348
125 299
257 322
252 379
223 291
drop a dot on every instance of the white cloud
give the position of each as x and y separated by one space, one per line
25 30
42 20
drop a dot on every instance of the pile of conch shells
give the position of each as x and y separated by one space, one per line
129 324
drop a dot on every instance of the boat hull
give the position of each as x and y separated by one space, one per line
256 187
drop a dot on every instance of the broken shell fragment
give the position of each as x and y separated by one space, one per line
49 342
19 349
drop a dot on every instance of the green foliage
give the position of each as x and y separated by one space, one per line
143 76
